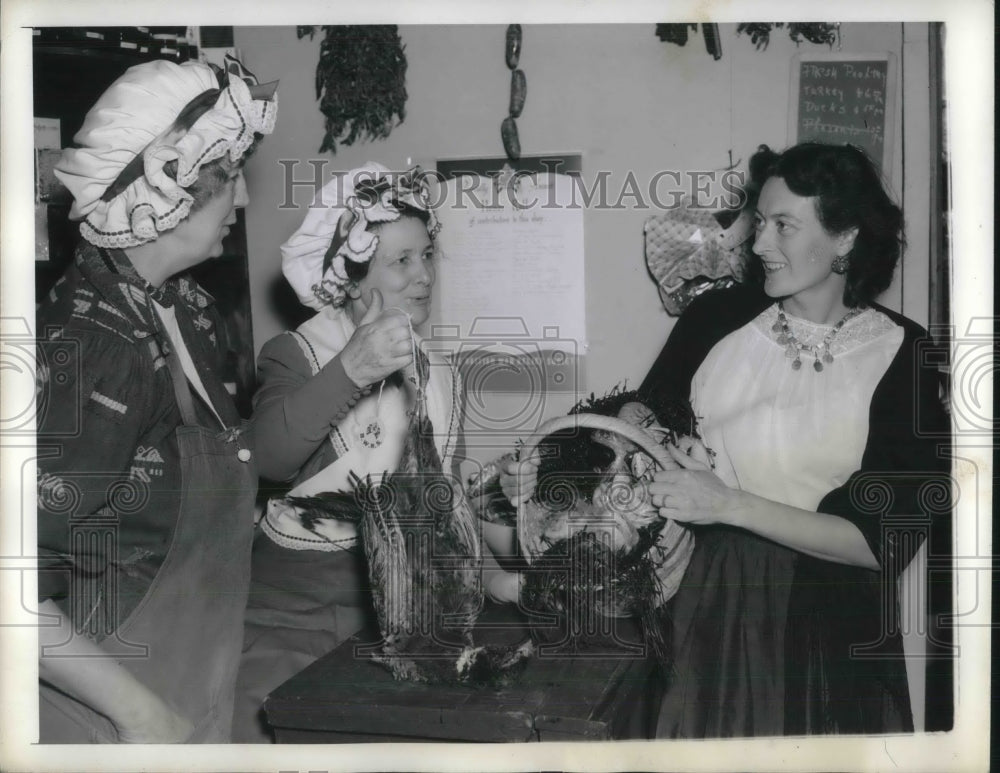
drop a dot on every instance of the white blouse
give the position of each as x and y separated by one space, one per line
791 435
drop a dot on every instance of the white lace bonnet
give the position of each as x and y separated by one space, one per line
116 175
337 221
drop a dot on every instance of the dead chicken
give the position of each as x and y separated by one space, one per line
424 562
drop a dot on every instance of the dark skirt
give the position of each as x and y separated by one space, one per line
728 619
845 667
762 639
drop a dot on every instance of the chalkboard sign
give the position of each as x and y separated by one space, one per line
840 98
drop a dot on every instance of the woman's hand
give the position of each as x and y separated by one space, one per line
519 479
693 494
379 347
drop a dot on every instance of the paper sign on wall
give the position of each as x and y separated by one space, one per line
512 260
840 98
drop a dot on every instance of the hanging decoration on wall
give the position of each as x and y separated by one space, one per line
674 33
690 250
678 33
759 32
360 82
712 42
518 92
817 32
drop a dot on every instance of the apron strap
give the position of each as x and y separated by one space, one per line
182 390
182 393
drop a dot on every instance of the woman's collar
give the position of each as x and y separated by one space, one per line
111 271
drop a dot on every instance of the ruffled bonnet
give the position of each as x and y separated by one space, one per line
337 221
116 175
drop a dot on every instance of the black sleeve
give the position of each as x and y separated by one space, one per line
902 491
709 319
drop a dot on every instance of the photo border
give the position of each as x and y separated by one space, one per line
968 54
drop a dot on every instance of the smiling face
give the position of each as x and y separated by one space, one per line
797 253
402 269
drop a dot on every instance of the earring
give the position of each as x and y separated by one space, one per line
353 287
324 295
840 264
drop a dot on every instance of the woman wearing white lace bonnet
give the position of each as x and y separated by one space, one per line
155 177
364 258
333 402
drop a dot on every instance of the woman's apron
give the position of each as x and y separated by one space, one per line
191 618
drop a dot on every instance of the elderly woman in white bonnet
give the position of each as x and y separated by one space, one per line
145 498
332 403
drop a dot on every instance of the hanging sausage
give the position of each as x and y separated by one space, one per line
518 92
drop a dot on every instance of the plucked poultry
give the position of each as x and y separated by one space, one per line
422 547
595 544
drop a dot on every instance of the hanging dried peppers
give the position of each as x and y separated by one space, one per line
360 82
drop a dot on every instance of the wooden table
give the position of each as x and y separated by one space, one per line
345 698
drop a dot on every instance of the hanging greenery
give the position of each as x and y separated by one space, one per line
816 32
759 32
360 82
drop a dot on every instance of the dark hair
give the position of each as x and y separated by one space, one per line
849 193
358 271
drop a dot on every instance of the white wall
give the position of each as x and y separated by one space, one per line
627 101
615 93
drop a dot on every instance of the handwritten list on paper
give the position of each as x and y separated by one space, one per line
512 263
845 101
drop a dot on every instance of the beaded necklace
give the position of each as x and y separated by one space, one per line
794 348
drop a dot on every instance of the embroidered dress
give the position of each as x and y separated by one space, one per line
309 587
367 440
762 634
